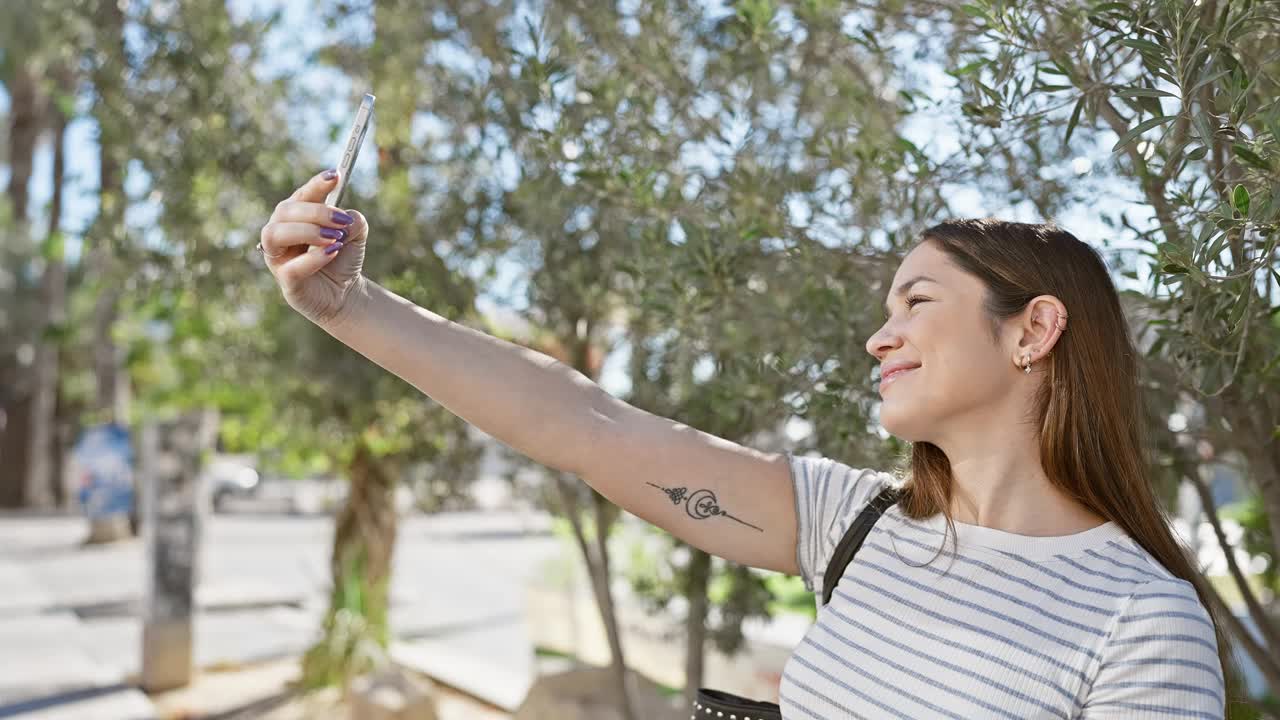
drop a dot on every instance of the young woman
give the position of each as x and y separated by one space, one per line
1027 570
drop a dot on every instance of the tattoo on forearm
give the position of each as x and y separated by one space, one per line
700 504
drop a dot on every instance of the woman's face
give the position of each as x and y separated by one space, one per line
940 366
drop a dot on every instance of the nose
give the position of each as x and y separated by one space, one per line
883 341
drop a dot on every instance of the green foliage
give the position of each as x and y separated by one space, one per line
1188 91
790 596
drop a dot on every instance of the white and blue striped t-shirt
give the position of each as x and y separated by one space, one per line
1013 626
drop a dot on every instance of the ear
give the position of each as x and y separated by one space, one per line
1039 326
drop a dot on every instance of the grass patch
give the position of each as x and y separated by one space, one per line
545 652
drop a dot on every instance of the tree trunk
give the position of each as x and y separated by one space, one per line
595 553
41 479
25 124
1258 650
13 455
108 228
699 574
605 515
355 628
608 609
24 131
366 525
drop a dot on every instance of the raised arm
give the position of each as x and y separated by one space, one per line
716 495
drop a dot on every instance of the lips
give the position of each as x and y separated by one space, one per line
891 373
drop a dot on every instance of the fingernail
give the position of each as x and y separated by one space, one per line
333 248
342 218
329 174
332 233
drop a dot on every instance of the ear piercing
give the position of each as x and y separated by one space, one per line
1026 358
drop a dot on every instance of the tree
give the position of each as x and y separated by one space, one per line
106 232
43 482
391 428
174 299
215 330
21 70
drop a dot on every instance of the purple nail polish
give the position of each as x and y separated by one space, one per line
332 234
333 248
342 218
329 174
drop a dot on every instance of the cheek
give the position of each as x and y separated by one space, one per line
972 372
963 369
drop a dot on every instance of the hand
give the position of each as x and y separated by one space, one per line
316 252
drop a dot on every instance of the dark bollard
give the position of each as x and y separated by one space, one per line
173 510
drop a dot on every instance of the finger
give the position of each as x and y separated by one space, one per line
357 231
279 236
293 272
315 189
309 212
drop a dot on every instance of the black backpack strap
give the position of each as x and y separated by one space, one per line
853 538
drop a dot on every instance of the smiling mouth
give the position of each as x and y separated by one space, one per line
893 377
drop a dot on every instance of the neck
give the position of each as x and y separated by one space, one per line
998 482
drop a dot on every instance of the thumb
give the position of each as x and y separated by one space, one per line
350 258
358 231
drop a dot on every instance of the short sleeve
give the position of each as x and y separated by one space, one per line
1161 659
829 495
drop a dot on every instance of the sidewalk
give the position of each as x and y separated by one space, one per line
264 692
70 634
58 666
113 702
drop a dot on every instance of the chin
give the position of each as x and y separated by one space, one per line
902 423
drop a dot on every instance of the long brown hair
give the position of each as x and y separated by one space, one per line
1092 444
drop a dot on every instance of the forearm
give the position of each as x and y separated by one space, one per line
526 399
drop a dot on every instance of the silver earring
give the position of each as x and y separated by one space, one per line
1026 364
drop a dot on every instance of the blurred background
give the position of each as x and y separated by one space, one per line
697 204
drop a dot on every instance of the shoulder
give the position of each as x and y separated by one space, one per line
1169 605
1160 656
832 491
820 471
828 497
1160 607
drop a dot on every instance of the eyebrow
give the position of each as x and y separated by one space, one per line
905 287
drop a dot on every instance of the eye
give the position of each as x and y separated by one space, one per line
912 300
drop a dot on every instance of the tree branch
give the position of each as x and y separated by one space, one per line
1259 615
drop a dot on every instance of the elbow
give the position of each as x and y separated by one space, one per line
602 427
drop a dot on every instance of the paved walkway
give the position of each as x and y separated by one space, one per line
70 632
111 702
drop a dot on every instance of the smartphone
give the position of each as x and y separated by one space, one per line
352 149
